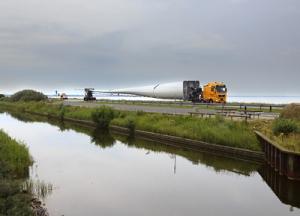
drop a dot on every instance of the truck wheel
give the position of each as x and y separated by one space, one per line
210 101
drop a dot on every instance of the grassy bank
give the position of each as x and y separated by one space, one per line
285 130
105 139
14 163
214 130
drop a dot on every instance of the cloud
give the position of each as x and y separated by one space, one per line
118 43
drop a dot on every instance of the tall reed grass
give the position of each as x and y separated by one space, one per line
14 164
14 157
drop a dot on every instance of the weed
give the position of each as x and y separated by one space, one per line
291 111
103 116
284 126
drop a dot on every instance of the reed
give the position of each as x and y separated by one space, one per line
14 164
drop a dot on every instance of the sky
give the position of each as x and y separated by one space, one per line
251 45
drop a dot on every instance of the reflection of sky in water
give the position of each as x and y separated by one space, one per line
120 180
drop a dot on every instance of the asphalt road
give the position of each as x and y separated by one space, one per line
157 109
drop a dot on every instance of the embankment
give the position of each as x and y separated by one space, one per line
232 138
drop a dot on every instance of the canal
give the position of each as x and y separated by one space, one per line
94 172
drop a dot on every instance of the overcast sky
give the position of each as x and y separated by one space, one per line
251 45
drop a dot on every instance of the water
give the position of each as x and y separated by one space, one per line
96 173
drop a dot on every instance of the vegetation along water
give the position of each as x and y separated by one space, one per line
14 164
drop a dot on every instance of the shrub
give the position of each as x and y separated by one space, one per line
130 124
3 97
61 113
285 126
103 116
291 111
28 95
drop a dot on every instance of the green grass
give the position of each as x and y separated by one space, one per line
285 130
14 157
14 163
212 130
290 141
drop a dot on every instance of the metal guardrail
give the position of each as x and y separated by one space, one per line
241 106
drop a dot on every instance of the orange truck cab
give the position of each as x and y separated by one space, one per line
214 92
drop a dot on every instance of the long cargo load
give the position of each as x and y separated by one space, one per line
185 90
175 90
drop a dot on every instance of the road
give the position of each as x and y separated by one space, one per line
157 108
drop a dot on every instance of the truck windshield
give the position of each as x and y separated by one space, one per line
221 89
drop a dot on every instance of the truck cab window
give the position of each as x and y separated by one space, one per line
221 89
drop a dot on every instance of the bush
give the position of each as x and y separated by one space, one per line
130 124
285 126
28 95
291 111
3 97
103 116
62 112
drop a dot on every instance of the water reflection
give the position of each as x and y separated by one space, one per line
139 173
38 188
102 138
286 190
